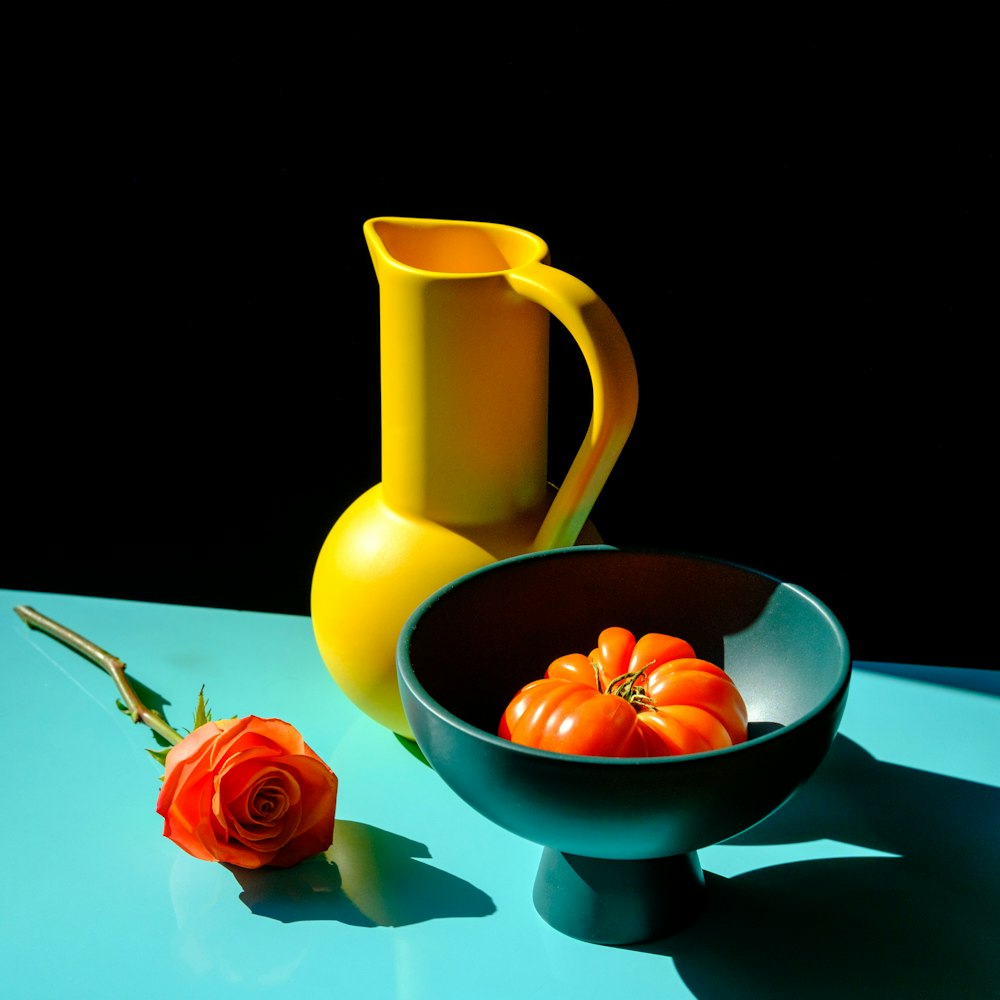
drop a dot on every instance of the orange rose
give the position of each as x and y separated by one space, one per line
249 792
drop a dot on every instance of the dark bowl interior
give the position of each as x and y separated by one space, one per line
466 650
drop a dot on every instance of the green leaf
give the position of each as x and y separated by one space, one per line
202 712
122 707
160 755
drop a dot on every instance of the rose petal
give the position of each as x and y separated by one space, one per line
184 759
240 798
187 821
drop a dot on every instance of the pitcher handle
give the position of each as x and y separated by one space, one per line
616 394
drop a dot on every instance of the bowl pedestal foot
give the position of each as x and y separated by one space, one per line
618 902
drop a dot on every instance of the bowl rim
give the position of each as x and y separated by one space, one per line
406 675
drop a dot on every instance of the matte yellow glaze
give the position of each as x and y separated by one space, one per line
464 319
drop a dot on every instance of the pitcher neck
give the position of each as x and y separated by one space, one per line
464 366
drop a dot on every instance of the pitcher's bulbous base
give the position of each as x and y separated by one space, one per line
373 570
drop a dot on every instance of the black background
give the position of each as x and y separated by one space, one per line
796 235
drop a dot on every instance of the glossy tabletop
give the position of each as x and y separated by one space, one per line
881 877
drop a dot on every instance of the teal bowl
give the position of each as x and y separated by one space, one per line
620 836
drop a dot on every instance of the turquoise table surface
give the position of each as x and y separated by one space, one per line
880 878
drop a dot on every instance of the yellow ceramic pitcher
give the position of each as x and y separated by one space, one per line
464 312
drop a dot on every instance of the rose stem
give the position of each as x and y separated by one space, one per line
115 667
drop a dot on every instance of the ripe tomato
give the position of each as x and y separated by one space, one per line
672 730
691 682
570 717
670 702
618 652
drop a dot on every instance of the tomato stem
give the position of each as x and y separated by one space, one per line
632 687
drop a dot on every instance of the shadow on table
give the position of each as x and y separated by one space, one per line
368 878
923 924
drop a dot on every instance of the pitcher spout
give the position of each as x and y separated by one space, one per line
444 246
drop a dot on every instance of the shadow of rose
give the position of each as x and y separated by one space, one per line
920 924
369 877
